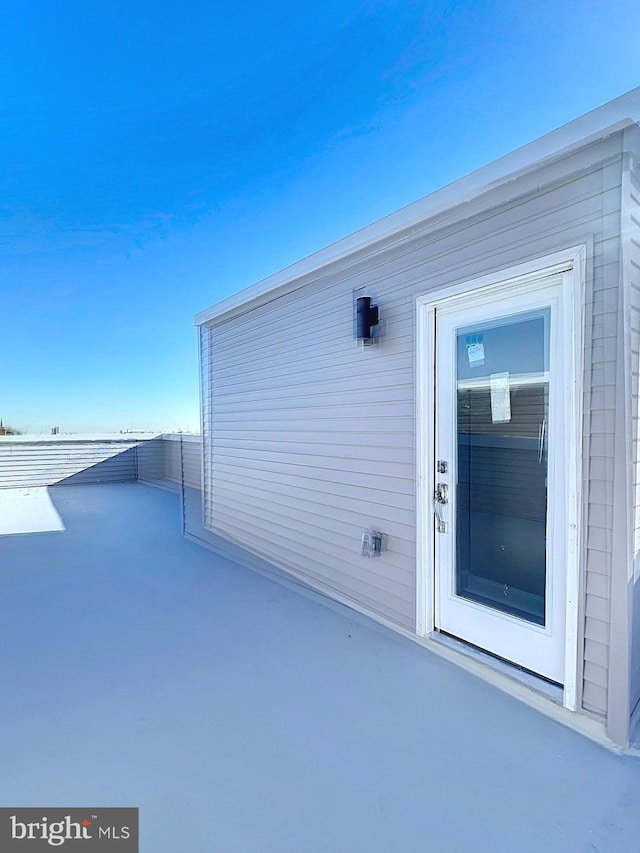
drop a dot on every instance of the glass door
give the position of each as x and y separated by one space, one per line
498 480
502 401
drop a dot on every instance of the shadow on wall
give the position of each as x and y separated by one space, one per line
117 468
27 464
163 460
27 471
150 461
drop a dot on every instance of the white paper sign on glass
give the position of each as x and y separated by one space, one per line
500 398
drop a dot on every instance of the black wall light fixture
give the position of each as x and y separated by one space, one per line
367 316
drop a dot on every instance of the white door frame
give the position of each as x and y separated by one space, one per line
571 263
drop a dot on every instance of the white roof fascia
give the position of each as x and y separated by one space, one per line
611 117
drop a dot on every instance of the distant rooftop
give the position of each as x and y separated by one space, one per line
81 436
133 435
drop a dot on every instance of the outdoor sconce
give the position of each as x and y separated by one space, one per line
367 316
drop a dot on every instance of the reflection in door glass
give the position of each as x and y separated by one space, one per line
501 498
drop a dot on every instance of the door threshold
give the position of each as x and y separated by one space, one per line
549 689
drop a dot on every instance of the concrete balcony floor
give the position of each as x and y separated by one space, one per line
139 669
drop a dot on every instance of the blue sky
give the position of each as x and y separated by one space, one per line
156 157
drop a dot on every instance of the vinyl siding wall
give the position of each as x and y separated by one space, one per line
47 463
206 405
310 439
631 259
164 461
150 459
183 459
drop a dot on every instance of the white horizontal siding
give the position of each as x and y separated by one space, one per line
49 462
594 697
310 439
268 479
157 460
631 232
183 460
193 464
171 460
150 458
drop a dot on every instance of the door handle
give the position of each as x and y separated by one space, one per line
541 437
442 493
440 497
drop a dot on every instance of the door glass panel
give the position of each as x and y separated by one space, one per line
502 385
